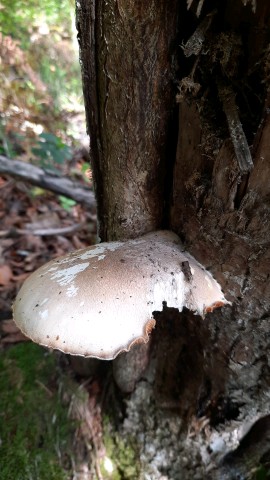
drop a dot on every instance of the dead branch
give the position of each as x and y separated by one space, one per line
195 43
237 134
42 232
49 181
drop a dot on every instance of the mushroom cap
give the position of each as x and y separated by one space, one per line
98 301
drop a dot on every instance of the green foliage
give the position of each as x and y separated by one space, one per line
262 473
6 146
66 203
51 151
17 16
85 170
39 68
35 431
61 75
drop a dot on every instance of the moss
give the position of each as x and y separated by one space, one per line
261 473
121 455
35 432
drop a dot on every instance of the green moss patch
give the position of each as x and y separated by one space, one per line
122 454
35 432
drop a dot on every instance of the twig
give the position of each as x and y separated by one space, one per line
195 43
49 181
253 4
237 134
46 389
199 7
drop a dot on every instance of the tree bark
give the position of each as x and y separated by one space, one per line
223 215
126 53
208 378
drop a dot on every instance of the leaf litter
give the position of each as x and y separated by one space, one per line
33 376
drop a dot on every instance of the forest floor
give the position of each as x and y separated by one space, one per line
50 410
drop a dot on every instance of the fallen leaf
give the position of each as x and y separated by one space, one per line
9 326
5 274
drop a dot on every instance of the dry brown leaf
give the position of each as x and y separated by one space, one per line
9 326
5 274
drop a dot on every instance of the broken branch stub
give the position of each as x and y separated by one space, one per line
98 301
237 134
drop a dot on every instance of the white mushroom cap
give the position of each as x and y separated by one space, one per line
98 301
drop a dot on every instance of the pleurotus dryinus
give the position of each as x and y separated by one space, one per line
98 301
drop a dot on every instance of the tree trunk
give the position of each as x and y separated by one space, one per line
208 379
128 88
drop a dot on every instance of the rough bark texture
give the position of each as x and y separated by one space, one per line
207 379
126 53
223 216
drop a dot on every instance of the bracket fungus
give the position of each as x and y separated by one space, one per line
98 301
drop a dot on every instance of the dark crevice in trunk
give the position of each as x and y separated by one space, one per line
172 140
241 191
